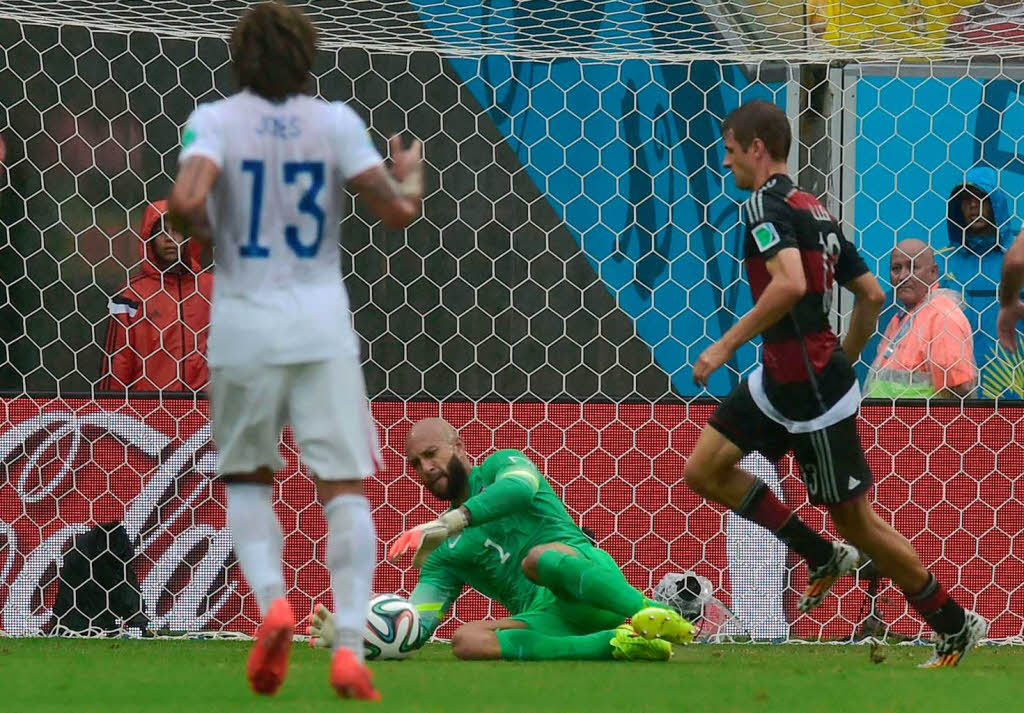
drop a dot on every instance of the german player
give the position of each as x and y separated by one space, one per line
805 397
262 175
508 536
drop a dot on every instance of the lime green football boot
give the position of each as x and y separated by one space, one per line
628 646
658 623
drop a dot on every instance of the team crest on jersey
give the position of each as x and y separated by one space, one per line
765 235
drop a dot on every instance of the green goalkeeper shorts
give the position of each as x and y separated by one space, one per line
550 615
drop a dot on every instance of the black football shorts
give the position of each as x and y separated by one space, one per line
831 460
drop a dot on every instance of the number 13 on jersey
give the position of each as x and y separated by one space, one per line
291 171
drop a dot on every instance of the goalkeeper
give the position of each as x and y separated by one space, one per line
508 536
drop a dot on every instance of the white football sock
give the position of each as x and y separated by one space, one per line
351 556
256 535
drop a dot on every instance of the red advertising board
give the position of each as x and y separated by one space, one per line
947 477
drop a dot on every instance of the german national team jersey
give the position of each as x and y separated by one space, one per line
807 381
275 213
488 557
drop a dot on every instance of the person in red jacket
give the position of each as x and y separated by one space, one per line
156 339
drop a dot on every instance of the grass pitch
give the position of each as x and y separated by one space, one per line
44 676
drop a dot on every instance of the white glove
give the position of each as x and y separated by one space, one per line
321 628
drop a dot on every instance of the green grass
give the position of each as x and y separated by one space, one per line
41 675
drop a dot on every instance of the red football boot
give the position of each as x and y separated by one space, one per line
268 661
351 678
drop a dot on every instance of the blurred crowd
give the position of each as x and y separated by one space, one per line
917 24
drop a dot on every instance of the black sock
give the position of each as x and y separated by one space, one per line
937 608
947 619
805 542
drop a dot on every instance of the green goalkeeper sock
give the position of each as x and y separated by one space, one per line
579 579
527 645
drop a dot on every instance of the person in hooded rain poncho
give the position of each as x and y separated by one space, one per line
980 227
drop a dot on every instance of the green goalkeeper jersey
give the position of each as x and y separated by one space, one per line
512 509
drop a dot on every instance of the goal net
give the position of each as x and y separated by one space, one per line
579 248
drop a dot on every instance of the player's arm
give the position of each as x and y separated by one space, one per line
515 483
187 202
436 591
787 285
394 196
770 226
1011 309
201 157
868 300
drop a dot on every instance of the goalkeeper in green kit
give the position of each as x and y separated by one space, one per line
508 536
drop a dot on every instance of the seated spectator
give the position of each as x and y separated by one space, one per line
993 23
156 340
980 228
926 350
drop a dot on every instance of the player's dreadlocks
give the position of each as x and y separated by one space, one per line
272 50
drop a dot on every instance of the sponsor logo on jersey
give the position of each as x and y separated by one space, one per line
765 235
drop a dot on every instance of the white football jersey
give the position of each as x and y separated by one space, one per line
275 213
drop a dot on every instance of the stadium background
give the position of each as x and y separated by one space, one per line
576 254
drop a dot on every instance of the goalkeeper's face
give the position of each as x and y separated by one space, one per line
439 459
446 480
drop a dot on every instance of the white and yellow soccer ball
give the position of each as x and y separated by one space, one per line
392 628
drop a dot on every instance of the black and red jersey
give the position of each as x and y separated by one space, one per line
805 371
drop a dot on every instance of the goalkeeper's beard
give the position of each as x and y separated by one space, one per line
458 480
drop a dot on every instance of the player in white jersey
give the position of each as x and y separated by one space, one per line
262 175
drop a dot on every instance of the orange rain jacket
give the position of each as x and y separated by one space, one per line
159 323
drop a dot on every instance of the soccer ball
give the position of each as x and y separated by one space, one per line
693 596
392 628
686 592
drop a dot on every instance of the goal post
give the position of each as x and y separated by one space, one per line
579 247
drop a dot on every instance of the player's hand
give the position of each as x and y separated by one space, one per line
405 160
1006 325
709 360
321 628
424 539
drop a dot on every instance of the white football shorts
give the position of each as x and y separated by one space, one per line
323 401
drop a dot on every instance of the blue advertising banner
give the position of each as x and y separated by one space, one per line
629 154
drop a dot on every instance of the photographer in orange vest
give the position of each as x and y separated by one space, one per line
927 349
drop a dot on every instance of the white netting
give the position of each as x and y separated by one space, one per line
577 252
743 30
